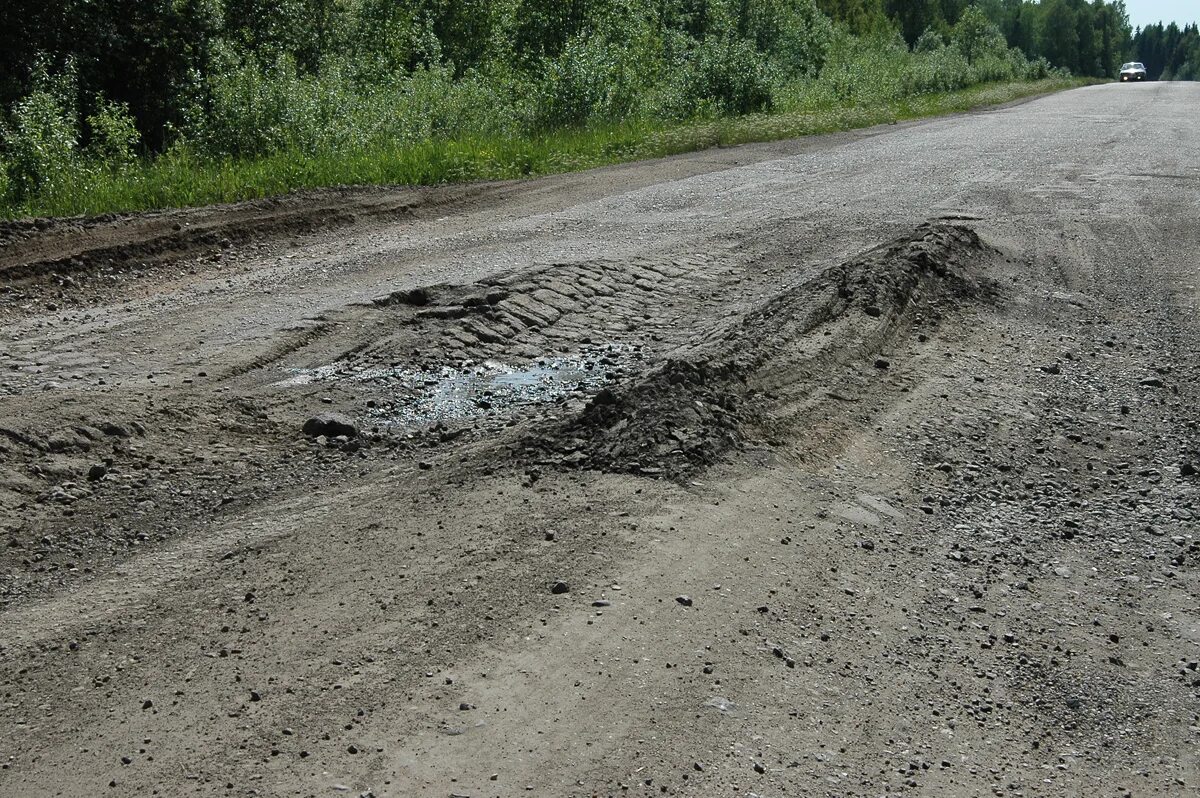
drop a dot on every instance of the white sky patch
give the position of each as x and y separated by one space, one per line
1148 12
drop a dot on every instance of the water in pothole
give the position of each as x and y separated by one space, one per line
414 397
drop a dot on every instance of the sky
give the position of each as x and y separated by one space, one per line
1147 12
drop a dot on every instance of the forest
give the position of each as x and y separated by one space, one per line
138 97
1169 52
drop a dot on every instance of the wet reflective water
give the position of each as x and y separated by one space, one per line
418 397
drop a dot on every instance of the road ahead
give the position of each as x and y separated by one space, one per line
844 466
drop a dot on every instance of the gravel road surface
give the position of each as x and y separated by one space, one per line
857 465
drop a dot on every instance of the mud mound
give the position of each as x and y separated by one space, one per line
773 368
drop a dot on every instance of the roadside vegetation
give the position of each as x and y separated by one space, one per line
132 104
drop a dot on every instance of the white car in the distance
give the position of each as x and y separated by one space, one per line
1133 71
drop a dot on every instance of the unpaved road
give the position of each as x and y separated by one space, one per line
857 465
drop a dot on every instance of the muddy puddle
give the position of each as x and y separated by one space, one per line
415 397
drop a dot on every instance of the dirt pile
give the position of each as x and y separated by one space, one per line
776 366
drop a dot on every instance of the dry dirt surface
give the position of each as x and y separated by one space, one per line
851 466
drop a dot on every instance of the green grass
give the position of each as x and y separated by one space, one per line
182 180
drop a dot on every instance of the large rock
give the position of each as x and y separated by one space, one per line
330 425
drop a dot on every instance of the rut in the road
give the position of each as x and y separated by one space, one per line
778 367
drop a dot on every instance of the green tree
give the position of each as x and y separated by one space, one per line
860 16
975 35
1059 35
914 17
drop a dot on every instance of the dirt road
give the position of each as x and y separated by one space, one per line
850 466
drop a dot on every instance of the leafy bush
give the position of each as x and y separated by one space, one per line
861 71
722 77
794 33
929 41
114 135
41 144
1039 69
589 79
940 69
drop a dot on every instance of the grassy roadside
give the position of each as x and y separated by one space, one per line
182 180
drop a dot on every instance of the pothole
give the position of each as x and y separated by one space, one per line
417 397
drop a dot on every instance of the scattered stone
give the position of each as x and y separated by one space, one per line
684 600
560 587
417 297
331 425
602 398
1151 382
873 311
1053 368
97 472
882 364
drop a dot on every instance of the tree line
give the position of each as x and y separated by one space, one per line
1168 51
1088 38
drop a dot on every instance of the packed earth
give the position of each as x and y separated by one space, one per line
856 465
